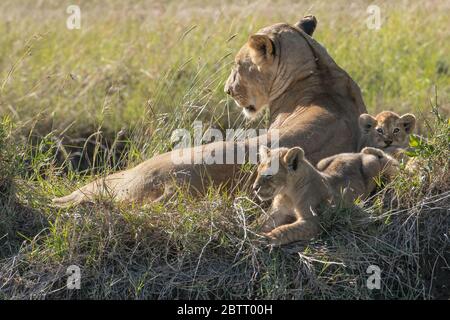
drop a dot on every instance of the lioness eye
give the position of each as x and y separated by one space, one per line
379 130
396 130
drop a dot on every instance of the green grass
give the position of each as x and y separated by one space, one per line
77 103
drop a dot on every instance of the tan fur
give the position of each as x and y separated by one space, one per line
298 188
387 131
311 100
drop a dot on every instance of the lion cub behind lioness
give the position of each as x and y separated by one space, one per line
387 131
298 188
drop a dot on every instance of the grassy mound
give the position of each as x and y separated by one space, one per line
210 248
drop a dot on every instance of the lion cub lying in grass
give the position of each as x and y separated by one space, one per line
298 188
387 131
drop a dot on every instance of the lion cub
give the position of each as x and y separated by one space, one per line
387 131
298 188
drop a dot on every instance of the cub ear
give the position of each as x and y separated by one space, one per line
307 24
373 151
366 122
263 153
293 156
409 122
262 49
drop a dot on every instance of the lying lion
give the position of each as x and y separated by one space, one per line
298 188
311 101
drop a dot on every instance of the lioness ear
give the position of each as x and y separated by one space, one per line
263 153
262 49
409 122
366 122
293 156
308 24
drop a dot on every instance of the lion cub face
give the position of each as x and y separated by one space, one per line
277 168
387 129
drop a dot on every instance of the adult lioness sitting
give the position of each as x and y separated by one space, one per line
312 102
298 188
387 131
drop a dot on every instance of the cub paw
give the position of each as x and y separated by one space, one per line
272 239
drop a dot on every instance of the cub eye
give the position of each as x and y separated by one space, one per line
380 131
396 130
267 176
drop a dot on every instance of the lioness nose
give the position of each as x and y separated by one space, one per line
227 90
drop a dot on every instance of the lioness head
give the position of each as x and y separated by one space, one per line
270 182
387 129
269 62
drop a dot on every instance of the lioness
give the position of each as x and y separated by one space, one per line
298 188
311 101
387 131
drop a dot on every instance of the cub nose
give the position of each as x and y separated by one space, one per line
388 142
256 187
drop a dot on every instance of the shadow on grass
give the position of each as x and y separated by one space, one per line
18 222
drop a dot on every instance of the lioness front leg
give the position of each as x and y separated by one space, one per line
276 218
299 230
281 213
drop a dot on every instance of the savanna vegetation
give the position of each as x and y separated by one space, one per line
77 104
